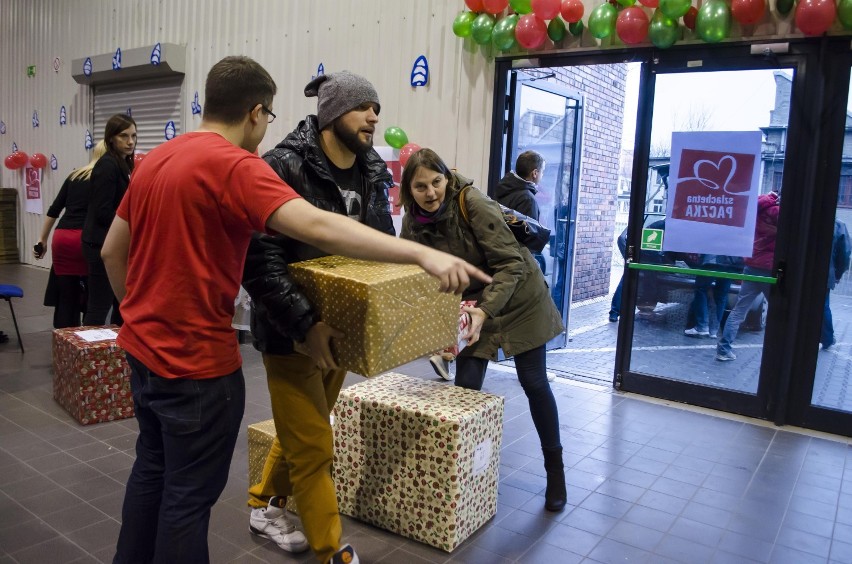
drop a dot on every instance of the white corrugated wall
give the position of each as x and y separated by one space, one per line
377 38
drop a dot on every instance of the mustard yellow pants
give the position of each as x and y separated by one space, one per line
299 462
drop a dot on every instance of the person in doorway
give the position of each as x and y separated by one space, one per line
329 160
615 304
841 249
759 264
718 288
110 178
66 287
518 188
174 255
513 312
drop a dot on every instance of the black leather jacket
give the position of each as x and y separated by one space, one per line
280 311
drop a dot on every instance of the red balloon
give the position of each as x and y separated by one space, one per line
494 6
407 150
632 25
572 10
689 17
10 162
21 158
748 11
530 31
814 17
650 3
545 9
38 160
474 5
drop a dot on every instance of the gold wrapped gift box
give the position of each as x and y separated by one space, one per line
390 313
418 458
260 437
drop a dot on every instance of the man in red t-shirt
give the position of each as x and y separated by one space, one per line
174 255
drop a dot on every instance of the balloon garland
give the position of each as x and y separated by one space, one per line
514 25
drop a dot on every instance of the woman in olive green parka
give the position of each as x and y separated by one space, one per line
514 312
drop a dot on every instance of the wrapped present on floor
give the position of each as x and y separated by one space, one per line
418 458
91 377
390 313
260 437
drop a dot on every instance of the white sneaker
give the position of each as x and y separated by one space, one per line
272 523
441 366
693 332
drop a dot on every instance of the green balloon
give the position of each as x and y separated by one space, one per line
503 34
844 13
626 3
675 8
602 20
482 27
462 24
713 22
556 29
663 31
521 6
784 6
576 28
396 137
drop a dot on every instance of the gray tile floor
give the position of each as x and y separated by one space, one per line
648 481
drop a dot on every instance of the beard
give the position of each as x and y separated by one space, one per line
351 139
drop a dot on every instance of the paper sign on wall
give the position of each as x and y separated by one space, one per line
32 190
391 158
713 189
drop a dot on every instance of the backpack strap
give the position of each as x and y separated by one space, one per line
462 205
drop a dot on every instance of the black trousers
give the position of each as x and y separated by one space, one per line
101 297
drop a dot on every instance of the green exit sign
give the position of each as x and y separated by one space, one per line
31 70
652 240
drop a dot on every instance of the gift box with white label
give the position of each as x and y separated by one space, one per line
390 314
91 377
418 458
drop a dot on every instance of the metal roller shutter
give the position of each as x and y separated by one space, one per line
152 104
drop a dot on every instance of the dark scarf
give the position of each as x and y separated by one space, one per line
425 217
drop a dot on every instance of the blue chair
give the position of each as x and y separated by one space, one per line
7 292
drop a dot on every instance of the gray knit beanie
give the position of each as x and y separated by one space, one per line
338 93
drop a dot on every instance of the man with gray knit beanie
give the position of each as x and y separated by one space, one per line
330 161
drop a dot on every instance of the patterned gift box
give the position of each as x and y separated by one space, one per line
418 458
91 380
260 437
391 314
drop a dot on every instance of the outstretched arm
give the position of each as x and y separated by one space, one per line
340 235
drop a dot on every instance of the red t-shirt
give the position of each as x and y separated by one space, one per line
191 207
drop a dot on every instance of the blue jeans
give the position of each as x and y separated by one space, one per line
615 305
532 374
749 292
187 433
700 311
827 334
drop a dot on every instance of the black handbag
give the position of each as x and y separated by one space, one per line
526 230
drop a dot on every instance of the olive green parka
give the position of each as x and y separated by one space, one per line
520 312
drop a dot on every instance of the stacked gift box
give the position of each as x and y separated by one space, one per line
390 313
8 226
91 379
418 458
260 437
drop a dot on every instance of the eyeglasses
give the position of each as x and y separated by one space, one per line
269 113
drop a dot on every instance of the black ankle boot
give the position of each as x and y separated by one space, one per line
555 495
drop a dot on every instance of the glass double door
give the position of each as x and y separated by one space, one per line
727 304
547 118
